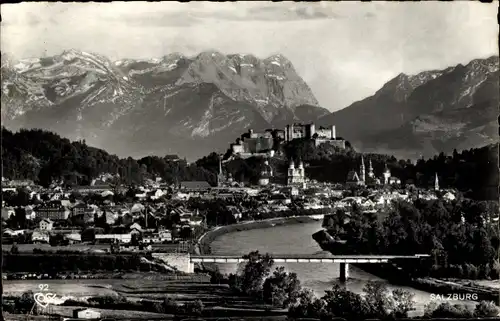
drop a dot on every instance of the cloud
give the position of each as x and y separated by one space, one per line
344 50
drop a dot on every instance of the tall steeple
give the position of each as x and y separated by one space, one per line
362 169
387 174
220 177
370 169
436 183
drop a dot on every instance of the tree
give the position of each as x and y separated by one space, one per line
377 298
25 303
344 304
402 303
14 249
255 270
194 308
281 289
485 309
307 306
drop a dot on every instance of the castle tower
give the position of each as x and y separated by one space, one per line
370 169
436 183
387 175
362 171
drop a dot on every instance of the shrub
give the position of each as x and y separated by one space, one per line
486 309
446 310
193 308
14 249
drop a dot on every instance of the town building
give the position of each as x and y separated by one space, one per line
296 176
195 186
46 224
112 238
266 174
54 211
370 179
84 313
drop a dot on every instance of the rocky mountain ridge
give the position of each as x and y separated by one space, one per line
194 105
427 113
170 104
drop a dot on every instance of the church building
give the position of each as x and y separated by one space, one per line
362 179
296 176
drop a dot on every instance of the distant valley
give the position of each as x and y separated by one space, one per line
191 106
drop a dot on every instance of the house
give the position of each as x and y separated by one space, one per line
110 217
46 224
111 238
84 313
449 196
136 228
92 189
195 186
162 236
353 179
7 212
157 194
196 220
53 211
136 208
30 213
83 209
179 196
235 211
74 238
39 237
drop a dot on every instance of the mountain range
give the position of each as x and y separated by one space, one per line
194 105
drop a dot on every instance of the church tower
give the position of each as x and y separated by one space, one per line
220 175
370 170
436 183
387 175
362 169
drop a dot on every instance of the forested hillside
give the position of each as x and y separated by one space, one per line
44 157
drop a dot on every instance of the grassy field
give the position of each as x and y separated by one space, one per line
132 289
67 311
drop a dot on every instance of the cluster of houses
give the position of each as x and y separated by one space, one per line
56 212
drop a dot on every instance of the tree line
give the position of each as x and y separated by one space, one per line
459 236
283 290
44 157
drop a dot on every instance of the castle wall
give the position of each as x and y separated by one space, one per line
335 143
324 133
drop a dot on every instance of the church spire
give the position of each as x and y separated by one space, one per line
436 183
362 169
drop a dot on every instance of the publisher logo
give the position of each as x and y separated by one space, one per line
43 299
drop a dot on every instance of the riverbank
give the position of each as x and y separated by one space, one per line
478 292
203 244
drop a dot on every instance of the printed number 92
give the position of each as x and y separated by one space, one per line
43 287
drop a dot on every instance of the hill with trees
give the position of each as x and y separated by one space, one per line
45 157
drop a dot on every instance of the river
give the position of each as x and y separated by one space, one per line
297 239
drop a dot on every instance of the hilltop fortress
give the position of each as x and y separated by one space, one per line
265 143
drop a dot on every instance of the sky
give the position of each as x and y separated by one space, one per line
345 51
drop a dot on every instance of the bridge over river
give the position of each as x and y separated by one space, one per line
343 260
